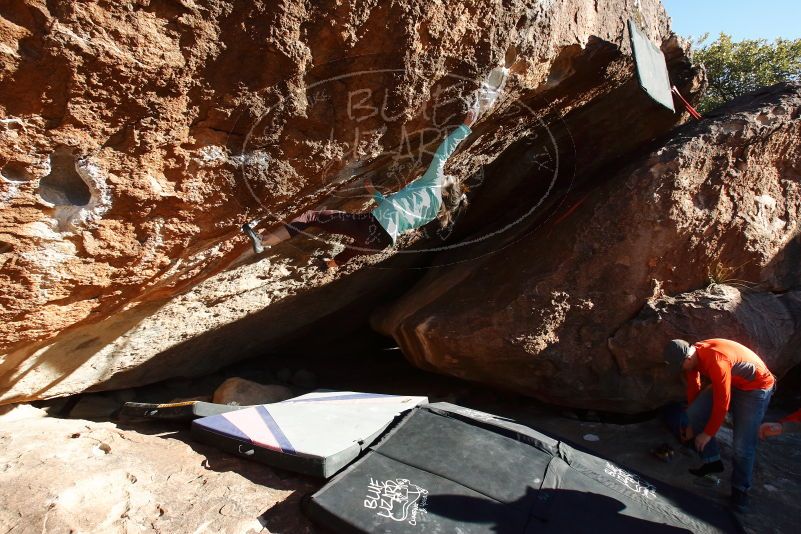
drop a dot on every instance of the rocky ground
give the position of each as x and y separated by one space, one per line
93 476
74 475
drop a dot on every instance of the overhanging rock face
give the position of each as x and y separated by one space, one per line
138 136
720 201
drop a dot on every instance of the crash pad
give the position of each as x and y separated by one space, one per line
445 468
316 434
651 67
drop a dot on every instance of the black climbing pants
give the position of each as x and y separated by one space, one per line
368 235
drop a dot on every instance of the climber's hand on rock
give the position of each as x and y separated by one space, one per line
368 185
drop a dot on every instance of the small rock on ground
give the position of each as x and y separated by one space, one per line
242 392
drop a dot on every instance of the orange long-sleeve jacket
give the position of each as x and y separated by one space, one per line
726 364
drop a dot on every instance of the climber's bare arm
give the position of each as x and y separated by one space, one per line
369 187
468 121
470 118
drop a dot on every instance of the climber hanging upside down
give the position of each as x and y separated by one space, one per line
414 206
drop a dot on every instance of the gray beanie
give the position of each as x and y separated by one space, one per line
675 353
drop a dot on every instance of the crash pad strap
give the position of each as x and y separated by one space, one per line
689 107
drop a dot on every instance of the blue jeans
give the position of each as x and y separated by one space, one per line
747 409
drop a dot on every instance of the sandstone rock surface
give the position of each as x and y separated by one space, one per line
719 201
63 475
769 323
137 136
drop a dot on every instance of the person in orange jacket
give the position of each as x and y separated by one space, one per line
740 383
791 423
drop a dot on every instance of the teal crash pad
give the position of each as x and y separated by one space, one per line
651 67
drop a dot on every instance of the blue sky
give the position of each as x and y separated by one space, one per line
742 19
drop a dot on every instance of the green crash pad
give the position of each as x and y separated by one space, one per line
651 67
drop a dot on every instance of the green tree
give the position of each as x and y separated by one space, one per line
736 68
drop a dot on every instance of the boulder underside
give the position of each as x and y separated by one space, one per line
139 136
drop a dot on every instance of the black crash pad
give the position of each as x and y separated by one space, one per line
445 468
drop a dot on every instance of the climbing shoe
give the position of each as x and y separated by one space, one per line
255 239
708 468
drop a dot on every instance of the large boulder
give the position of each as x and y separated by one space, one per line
767 322
137 137
719 202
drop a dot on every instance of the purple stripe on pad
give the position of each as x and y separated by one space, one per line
350 396
280 437
218 423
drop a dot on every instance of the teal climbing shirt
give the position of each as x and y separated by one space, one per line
418 203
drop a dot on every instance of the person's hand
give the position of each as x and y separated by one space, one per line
701 440
470 118
767 430
686 434
368 185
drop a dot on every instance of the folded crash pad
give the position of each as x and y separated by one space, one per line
175 411
652 70
316 434
444 468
